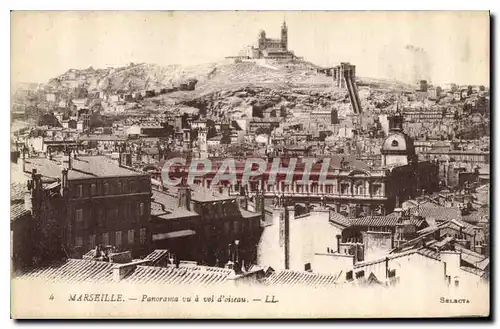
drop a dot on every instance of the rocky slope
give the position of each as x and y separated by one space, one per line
228 87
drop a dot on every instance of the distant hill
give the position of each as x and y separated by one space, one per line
210 76
227 85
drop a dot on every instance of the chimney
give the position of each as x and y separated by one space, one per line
66 161
356 250
291 212
339 238
28 203
64 181
23 160
237 251
184 197
120 271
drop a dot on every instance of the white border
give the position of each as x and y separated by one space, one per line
188 5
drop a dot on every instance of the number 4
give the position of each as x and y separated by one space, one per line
51 297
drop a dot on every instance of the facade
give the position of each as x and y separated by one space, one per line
300 242
101 202
213 226
355 189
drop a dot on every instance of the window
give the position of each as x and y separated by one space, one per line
307 267
132 215
125 212
141 209
79 218
106 188
118 240
376 189
131 236
360 274
78 241
395 143
93 189
100 218
348 276
226 228
237 227
119 187
143 235
112 214
105 239
79 191
344 188
92 243
132 186
359 188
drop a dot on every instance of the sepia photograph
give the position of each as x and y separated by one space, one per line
249 164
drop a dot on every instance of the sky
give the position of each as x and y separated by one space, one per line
438 46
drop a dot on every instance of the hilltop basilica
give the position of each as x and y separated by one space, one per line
268 48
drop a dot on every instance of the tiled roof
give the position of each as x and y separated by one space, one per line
156 256
483 264
72 271
439 213
421 251
470 256
466 227
306 279
479 215
83 167
172 209
388 220
339 219
172 275
18 210
472 270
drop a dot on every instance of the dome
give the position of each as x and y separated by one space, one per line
398 143
262 33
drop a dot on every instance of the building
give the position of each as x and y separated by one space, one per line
397 148
210 223
301 242
268 48
353 188
99 201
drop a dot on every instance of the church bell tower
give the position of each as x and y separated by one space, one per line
284 36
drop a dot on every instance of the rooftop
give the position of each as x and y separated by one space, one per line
437 212
305 279
388 220
198 275
17 210
82 167
72 271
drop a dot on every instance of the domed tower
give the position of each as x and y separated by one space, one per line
398 148
284 36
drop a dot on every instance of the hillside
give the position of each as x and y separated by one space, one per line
226 86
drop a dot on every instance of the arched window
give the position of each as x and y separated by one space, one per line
359 188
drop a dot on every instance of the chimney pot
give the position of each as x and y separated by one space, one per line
339 238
